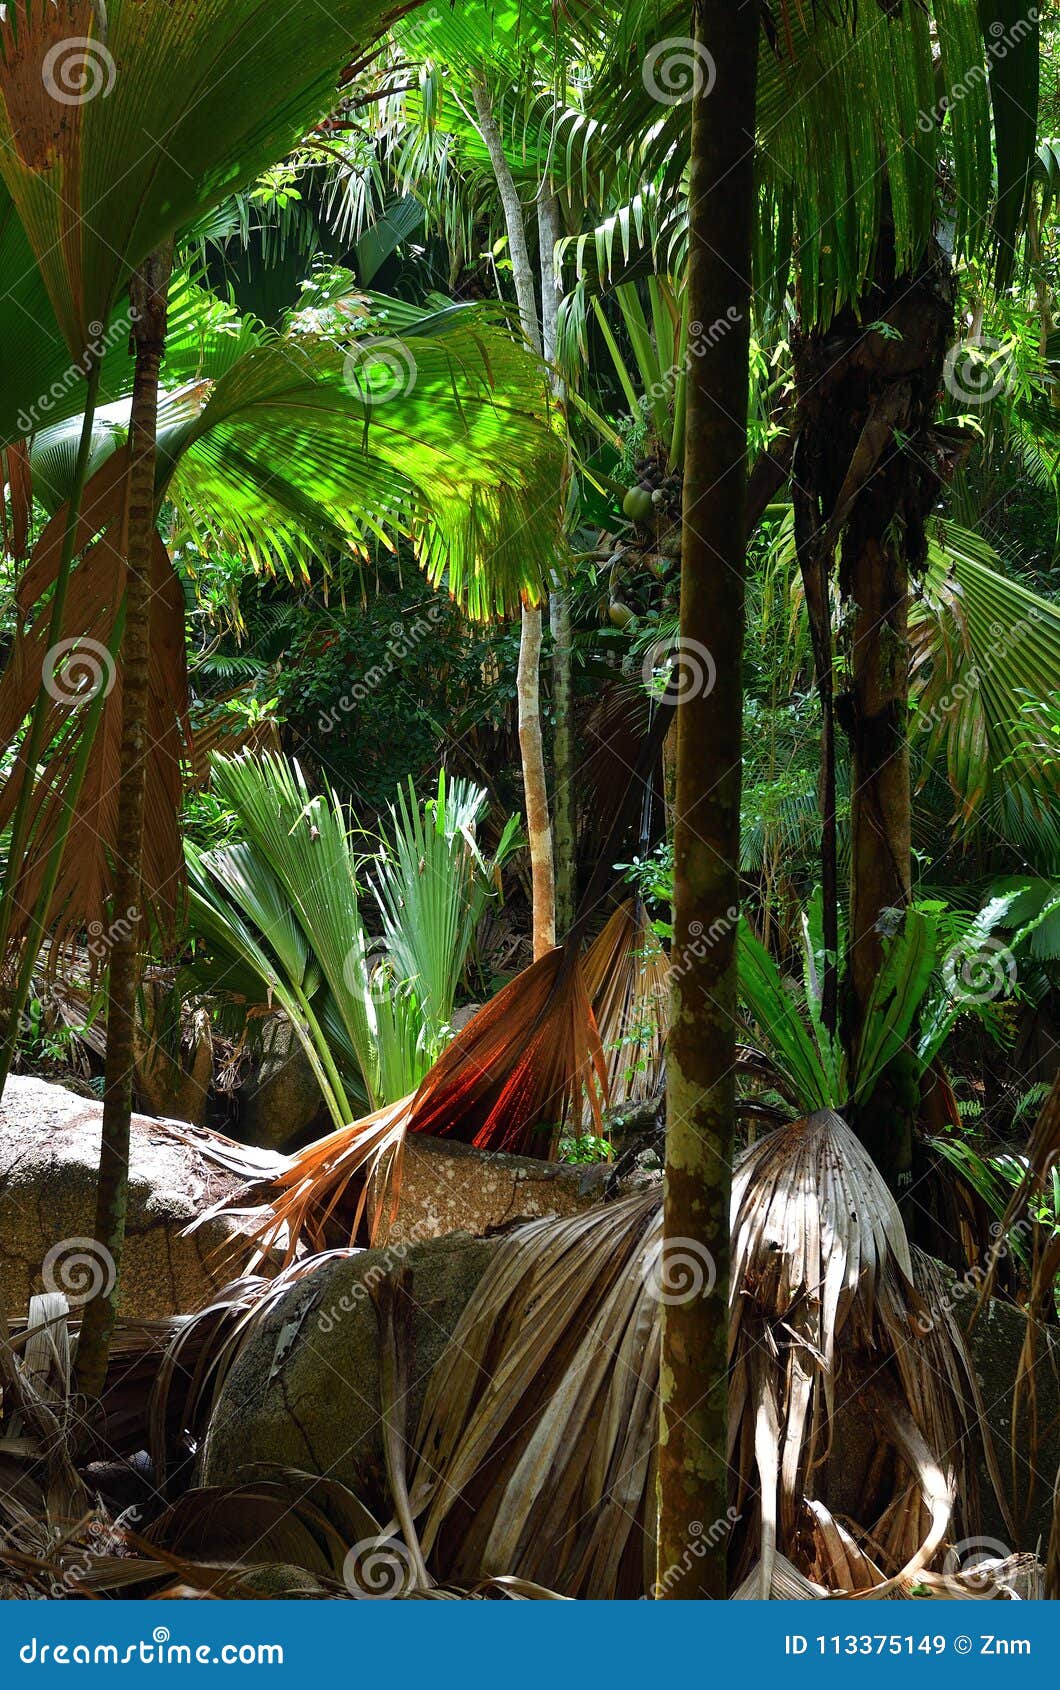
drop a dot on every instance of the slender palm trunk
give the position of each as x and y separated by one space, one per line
563 749
531 740
693 1467
815 563
149 290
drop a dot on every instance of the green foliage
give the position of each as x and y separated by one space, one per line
280 915
939 966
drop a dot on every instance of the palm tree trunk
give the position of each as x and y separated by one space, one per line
531 739
563 752
149 292
512 206
532 751
815 564
870 466
700 1104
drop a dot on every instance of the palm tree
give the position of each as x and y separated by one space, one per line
837 100
96 191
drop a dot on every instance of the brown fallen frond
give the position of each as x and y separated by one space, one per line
363 1159
787 1584
38 1482
627 977
825 1288
535 1447
522 1065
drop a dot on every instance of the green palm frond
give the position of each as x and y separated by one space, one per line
289 449
281 919
984 646
848 119
195 102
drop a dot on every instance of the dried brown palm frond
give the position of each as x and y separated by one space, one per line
997 1579
75 670
524 1063
38 1483
536 1444
349 1179
825 1289
217 730
787 1584
16 500
627 977
536 1441
526 1060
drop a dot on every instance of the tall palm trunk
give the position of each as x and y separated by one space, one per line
814 550
870 465
531 740
700 1105
563 759
149 291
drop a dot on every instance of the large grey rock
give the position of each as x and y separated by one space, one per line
305 1390
49 1155
451 1187
280 1101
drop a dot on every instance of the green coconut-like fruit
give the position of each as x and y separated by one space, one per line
620 614
637 505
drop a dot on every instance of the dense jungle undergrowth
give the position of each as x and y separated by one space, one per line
530 801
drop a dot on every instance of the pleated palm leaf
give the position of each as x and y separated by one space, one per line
278 453
627 977
432 885
121 125
985 655
527 1062
933 970
282 917
844 97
